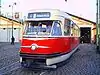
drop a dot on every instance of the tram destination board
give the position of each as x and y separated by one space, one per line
39 15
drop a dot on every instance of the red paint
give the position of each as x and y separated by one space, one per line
57 45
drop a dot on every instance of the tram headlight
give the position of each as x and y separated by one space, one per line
33 47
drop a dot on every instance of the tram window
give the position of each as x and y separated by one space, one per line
67 28
56 29
75 30
49 28
4 28
14 28
39 27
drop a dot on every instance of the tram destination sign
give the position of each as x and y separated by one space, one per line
39 15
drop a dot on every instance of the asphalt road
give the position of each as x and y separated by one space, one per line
83 62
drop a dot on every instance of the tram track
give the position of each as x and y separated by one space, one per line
5 62
16 68
10 68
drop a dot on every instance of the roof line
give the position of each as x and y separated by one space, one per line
81 18
9 19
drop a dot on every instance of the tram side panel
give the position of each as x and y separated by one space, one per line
51 45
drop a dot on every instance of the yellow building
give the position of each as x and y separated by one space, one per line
87 28
6 29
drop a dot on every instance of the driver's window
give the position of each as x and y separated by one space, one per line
42 27
56 29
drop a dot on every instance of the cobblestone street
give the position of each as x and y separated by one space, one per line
84 61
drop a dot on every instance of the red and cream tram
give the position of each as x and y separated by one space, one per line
49 37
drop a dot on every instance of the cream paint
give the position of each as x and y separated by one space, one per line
54 60
46 37
38 38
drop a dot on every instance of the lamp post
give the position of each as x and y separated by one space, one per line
0 8
98 26
12 6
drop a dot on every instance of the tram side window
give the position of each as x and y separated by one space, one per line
75 31
67 28
56 29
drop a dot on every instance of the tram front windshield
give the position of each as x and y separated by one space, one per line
43 28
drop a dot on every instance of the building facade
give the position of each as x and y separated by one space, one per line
87 29
6 29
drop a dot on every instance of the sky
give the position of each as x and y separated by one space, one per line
82 8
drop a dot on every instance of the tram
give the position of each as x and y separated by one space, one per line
49 37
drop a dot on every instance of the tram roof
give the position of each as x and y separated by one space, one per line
53 13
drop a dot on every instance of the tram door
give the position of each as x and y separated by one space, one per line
85 35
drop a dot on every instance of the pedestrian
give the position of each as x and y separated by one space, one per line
12 40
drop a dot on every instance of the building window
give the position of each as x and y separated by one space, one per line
4 28
14 28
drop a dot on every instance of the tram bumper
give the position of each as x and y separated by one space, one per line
38 61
